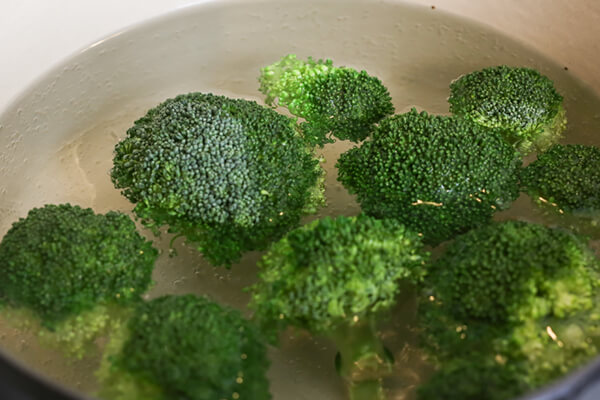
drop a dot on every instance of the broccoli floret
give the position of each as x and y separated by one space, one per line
470 362
477 357
554 346
185 347
438 175
514 296
332 277
565 184
473 379
568 175
542 349
337 100
514 270
520 103
227 174
66 266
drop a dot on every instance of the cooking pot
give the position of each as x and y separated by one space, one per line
56 136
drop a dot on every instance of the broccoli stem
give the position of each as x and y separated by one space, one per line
363 360
367 390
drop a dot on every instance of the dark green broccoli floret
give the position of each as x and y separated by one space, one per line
568 175
332 277
227 174
473 379
337 100
543 348
66 265
514 297
475 356
470 363
514 270
438 175
185 347
520 103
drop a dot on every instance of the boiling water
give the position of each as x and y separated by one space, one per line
302 367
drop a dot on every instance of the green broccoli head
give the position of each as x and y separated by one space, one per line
553 346
185 347
473 379
470 360
66 266
335 272
567 175
514 299
438 175
337 100
512 271
61 260
332 277
529 354
227 174
542 348
520 103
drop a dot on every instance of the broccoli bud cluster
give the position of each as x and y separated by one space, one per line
333 277
513 300
335 271
71 271
340 101
227 174
185 347
438 175
62 260
568 175
520 103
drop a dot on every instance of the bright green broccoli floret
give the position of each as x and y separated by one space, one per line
227 174
565 184
337 100
66 266
568 175
514 297
185 347
520 103
332 277
438 175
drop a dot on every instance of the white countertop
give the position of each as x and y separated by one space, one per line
37 34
